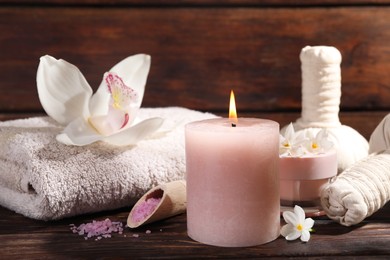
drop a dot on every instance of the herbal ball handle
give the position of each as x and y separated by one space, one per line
321 93
321 86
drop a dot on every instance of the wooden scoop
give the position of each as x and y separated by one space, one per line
173 201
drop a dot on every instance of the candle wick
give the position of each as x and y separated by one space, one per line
233 125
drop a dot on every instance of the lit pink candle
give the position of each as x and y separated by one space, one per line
232 181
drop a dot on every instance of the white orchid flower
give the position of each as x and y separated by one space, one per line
297 225
109 115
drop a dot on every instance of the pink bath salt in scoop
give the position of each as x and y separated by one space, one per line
145 209
162 201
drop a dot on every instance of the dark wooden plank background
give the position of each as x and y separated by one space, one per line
202 49
199 2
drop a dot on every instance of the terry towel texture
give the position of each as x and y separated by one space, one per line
44 179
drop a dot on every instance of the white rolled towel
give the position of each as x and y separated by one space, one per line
380 138
359 191
44 179
364 188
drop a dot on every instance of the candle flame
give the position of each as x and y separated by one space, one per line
232 109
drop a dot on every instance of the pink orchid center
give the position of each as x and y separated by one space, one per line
122 96
121 99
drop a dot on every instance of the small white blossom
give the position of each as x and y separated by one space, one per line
297 225
303 143
319 143
291 144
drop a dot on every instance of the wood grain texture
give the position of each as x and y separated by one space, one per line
199 54
199 2
23 238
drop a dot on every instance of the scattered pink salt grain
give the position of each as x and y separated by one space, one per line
98 229
144 209
148 231
135 235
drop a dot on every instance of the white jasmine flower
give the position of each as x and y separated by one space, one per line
303 143
109 115
319 143
291 144
297 226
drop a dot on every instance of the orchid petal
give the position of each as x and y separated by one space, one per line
122 96
63 91
135 133
63 138
111 123
134 71
99 103
114 121
105 125
79 132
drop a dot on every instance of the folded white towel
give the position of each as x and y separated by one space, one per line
44 179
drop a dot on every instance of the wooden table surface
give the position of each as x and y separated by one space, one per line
23 238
